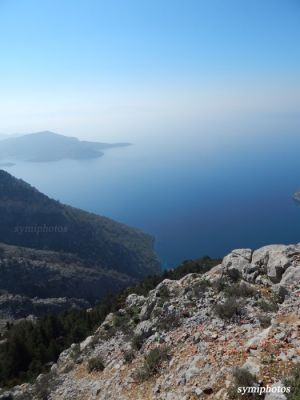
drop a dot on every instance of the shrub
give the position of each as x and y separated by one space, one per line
138 340
219 285
279 297
264 320
134 313
154 359
268 306
108 332
152 362
240 290
234 274
129 356
227 310
164 293
294 383
243 378
95 364
168 320
121 323
199 288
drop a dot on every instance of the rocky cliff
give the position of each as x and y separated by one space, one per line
201 337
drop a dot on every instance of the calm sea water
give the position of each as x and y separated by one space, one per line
197 197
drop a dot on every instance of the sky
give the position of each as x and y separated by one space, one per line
121 69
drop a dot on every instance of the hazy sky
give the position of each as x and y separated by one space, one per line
117 69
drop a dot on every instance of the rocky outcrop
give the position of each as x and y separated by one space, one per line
188 338
269 262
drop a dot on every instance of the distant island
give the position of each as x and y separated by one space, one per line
48 146
296 196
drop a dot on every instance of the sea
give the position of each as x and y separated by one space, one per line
200 194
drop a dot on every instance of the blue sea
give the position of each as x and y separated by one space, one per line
202 194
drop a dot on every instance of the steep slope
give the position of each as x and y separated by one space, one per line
31 219
48 146
201 337
42 274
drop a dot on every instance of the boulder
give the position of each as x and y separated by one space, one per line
291 277
133 300
236 261
215 273
86 342
273 260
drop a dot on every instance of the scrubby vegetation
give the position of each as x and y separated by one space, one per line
294 383
268 305
30 347
198 289
129 356
95 364
168 321
138 340
264 320
243 379
229 309
152 362
239 290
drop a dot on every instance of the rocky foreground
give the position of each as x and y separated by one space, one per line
201 337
